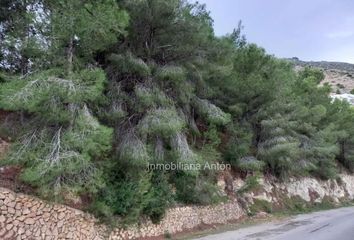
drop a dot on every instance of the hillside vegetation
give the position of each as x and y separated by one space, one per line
338 75
341 66
100 89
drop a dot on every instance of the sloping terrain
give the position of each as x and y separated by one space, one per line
341 66
89 113
339 75
27 217
340 81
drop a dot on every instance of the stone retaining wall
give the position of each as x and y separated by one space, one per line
182 219
26 217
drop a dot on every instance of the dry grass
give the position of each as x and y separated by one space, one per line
339 80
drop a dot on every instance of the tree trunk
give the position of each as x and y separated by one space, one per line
70 55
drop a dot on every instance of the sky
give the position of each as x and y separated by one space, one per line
307 29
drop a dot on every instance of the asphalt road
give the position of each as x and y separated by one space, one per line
337 224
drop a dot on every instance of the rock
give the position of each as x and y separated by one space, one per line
20 231
38 233
29 221
34 208
11 210
26 211
21 218
9 235
48 232
55 232
2 219
18 213
18 206
11 204
47 208
2 196
9 227
60 224
46 215
261 215
70 235
28 233
11 197
61 216
2 231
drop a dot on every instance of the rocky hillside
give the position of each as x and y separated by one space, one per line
27 217
339 75
340 81
155 88
341 66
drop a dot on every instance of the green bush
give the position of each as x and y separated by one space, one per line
193 190
150 196
260 206
251 184
316 73
295 204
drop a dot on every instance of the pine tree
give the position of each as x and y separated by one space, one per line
63 142
102 90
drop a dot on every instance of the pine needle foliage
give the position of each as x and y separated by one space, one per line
161 122
128 64
172 74
104 89
51 96
212 113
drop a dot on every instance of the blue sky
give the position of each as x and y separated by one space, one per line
308 29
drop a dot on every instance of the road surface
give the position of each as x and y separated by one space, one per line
337 224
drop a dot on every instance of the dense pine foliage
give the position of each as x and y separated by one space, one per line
101 89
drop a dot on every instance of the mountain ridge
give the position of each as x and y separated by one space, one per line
327 65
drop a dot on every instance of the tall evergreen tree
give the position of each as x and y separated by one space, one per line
64 141
105 90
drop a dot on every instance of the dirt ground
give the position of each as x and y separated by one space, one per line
341 82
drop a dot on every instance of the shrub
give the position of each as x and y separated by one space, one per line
316 73
195 190
150 195
160 197
260 206
251 183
